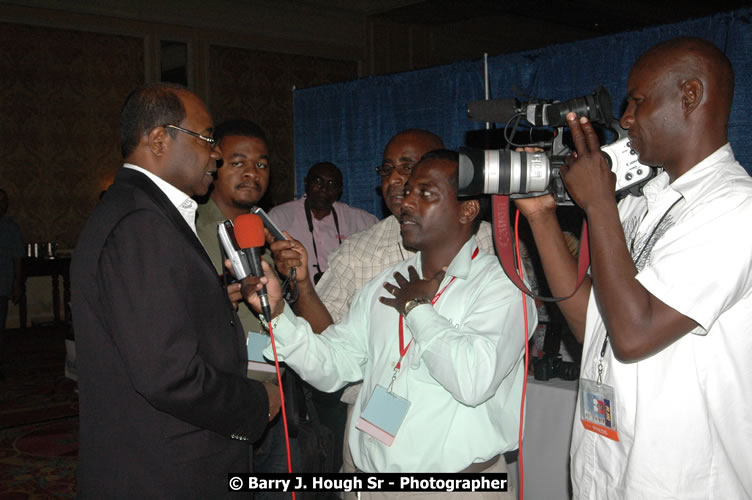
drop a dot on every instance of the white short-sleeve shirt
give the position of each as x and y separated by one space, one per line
685 413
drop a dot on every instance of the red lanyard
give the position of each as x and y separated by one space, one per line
402 347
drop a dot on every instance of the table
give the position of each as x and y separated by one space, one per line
548 433
55 268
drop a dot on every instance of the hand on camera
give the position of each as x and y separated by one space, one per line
533 206
587 176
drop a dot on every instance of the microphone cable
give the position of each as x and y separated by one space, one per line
282 402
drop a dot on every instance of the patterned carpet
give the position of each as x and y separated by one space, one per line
38 417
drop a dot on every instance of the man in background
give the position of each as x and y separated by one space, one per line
166 408
318 220
242 178
241 181
11 253
321 224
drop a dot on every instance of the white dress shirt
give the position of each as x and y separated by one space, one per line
186 205
683 414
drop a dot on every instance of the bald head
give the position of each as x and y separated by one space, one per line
678 104
684 59
404 150
421 139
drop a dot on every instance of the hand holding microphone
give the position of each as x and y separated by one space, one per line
261 287
288 254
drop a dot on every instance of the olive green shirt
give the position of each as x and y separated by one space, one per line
209 216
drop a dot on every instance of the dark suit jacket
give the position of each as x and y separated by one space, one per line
166 410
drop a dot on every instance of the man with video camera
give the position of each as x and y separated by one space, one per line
664 403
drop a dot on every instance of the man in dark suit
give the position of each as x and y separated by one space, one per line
166 408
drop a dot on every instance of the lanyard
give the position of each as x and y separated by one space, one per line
635 260
402 347
652 233
307 208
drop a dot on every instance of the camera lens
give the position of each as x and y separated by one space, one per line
499 171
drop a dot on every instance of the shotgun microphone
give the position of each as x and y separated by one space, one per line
249 233
597 107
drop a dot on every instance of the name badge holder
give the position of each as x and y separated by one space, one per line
385 411
384 414
598 400
598 403
256 344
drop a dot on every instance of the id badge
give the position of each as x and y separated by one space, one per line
256 344
598 408
383 415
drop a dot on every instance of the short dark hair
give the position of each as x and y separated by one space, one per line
448 155
322 164
147 107
241 127
454 157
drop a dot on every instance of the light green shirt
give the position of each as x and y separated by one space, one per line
463 373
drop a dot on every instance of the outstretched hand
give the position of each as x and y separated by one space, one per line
412 287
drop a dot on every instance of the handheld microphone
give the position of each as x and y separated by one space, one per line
270 225
249 233
226 235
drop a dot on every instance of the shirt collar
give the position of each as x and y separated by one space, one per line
184 204
178 198
460 265
691 183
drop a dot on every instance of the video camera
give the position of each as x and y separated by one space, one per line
507 172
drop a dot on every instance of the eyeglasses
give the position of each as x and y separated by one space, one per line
210 140
385 170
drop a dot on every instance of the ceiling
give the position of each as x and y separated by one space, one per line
573 19
599 16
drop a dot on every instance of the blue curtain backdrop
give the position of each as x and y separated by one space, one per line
350 123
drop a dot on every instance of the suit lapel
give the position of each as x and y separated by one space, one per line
142 182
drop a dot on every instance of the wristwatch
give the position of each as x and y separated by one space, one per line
413 303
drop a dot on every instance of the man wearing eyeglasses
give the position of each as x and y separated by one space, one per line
366 254
166 408
318 220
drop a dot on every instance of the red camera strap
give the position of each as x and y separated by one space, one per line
505 249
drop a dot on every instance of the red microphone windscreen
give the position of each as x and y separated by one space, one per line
249 231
